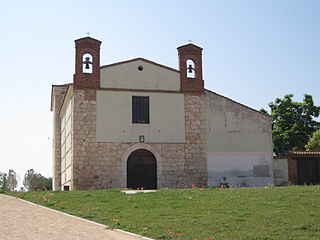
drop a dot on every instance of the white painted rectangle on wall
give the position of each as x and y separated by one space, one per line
63 177
68 174
63 137
68 143
63 122
63 164
68 111
114 117
68 158
68 126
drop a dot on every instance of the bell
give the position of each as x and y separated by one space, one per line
87 62
190 69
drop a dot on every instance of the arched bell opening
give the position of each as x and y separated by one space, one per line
87 61
142 170
191 68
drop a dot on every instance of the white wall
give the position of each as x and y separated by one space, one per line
127 76
239 143
114 117
240 168
66 142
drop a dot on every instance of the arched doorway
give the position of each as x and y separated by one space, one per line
142 170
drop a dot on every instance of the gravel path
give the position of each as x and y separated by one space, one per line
22 220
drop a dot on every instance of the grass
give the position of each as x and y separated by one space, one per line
238 213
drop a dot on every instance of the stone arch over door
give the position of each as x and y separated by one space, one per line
142 146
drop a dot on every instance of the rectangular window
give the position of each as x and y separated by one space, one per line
140 109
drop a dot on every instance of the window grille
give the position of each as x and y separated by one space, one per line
140 109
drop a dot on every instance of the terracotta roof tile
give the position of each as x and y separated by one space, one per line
304 154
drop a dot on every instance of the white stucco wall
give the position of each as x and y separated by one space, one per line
239 143
66 142
127 76
114 117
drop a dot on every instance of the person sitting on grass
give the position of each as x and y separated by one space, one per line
223 183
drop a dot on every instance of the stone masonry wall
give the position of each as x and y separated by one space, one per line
99 165
196 140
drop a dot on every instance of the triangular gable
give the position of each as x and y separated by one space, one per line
139 74
139 59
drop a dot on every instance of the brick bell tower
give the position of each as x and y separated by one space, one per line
87 72
190 66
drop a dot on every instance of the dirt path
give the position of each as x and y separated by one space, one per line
22 220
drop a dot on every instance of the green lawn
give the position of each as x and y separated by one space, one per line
238 213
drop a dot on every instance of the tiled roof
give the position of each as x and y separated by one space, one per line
304 154
298 154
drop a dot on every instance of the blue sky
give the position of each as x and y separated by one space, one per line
254 51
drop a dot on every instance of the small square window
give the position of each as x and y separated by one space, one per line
140 109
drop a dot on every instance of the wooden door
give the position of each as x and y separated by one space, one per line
308 171
142 170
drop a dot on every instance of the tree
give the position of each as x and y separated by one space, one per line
29 179
293 123
8 182
3 182
314 142
33 181
12 180
264 111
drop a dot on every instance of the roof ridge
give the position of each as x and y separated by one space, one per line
267 115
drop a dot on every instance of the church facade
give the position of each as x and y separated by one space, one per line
141 124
